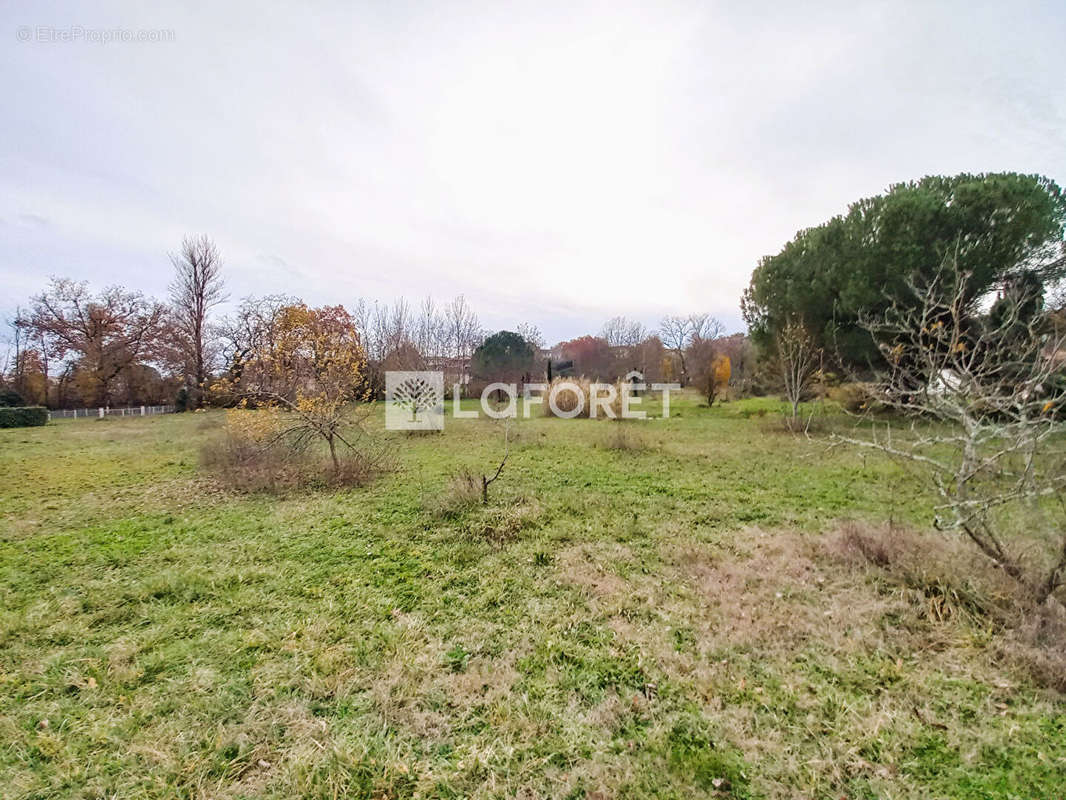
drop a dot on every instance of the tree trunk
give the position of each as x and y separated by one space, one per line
333 454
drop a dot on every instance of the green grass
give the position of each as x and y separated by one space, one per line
666 621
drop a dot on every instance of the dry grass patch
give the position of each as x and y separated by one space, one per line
501 524
588 568
622 437
259 458
462 492
943 578
825 669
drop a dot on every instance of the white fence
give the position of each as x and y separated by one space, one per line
100 413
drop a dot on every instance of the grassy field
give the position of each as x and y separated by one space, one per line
674 618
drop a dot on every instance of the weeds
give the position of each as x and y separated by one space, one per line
503 524
251 456
622 437
462 492
944 581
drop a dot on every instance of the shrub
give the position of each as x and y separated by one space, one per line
576 392
23 416
567 391
623 437
855 398
716 382
463 492
254 454
10 398
181 400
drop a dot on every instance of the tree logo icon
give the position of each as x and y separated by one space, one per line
414 401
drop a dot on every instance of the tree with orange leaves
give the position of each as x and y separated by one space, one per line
718 377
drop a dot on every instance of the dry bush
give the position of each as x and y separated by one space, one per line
463 498
252 454
462 493
567 399
1037 645
855 398
616 404
945 580
622 437
810 423
499 524
942 576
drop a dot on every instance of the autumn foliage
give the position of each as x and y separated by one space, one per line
306 378
718 374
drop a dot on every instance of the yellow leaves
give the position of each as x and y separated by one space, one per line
258 425
1047 406
960 347
312 357
721 369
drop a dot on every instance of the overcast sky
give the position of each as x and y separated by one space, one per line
558 163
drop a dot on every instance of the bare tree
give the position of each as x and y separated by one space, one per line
25 364
674 332
623 332
798 361
250 330
985 397
705 327
464 330
18 340
531 333
196 289
678 334
430 331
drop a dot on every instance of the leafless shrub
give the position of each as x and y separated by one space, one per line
622 437
462 493
944 581
245 462
983 398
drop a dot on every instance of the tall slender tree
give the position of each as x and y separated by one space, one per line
197 288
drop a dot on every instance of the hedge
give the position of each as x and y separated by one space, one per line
23 416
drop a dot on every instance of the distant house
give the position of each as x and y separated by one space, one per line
456 370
